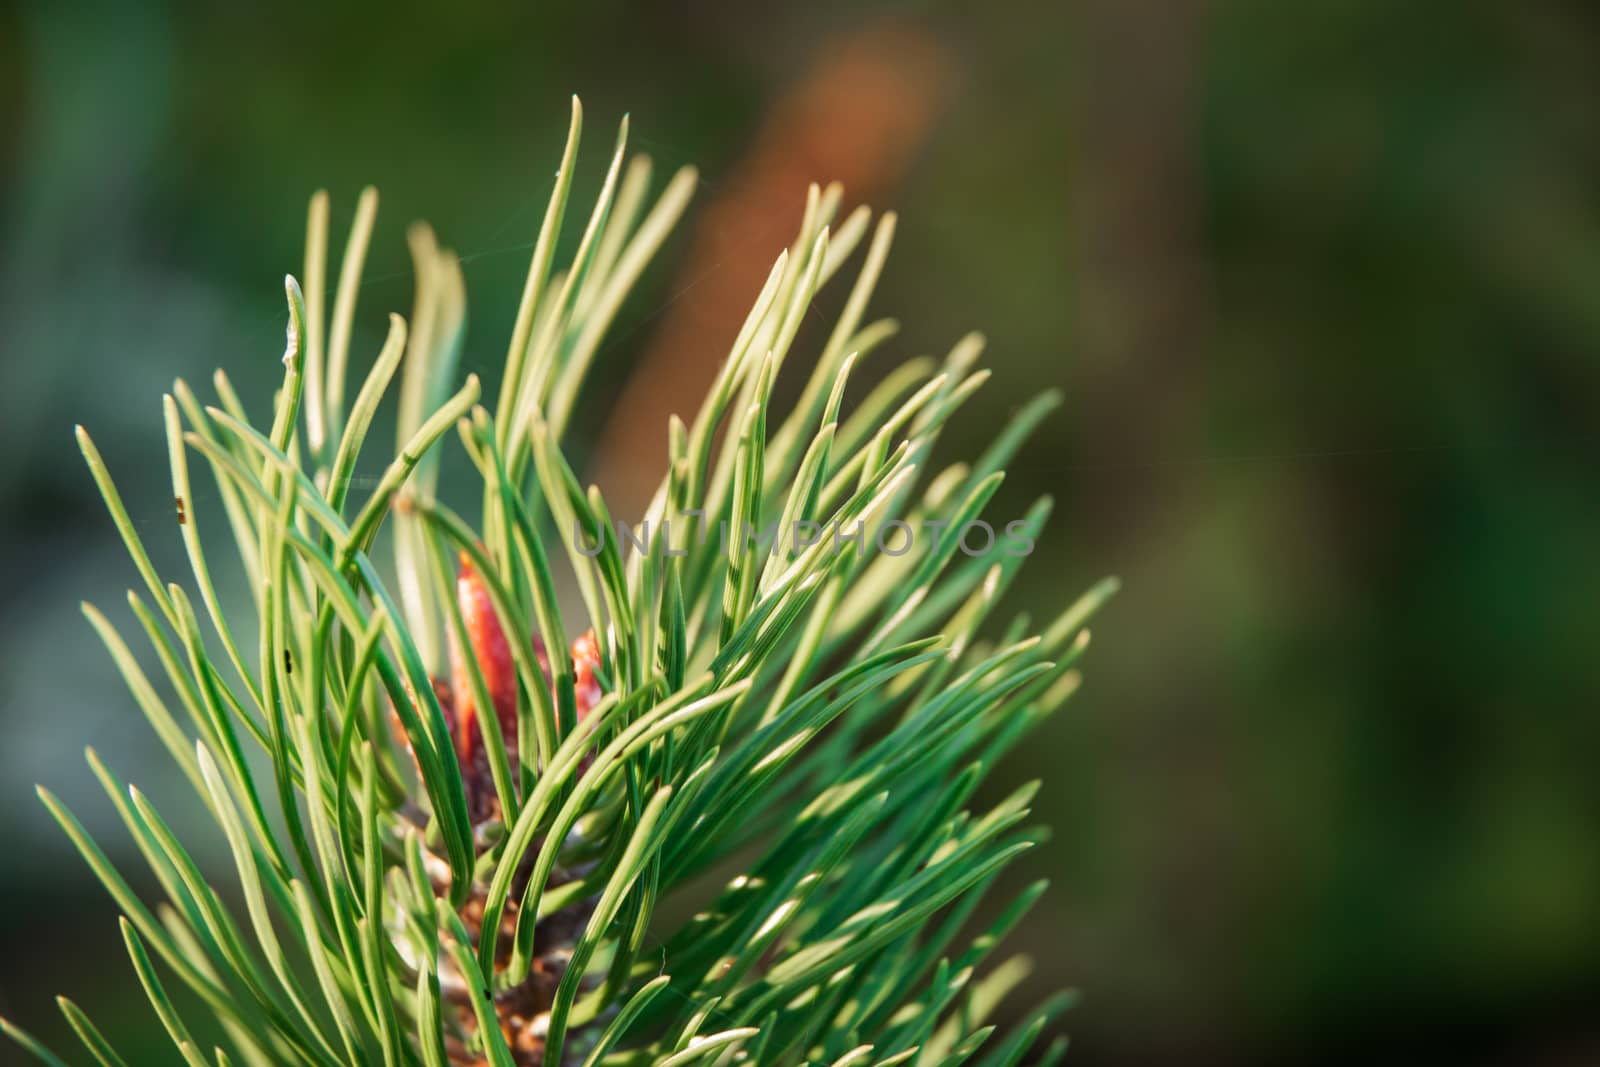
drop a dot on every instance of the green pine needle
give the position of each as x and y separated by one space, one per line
810 718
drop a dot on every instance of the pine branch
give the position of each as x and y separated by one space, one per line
476 804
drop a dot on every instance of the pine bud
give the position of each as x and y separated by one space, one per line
492 653
493 656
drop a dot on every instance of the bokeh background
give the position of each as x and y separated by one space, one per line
1320 283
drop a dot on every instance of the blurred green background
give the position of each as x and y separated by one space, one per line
1320 283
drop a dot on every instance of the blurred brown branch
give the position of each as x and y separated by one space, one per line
857 116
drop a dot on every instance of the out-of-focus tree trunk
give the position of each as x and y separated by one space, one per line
1142 366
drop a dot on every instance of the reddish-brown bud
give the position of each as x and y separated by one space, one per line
493 655
586 687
